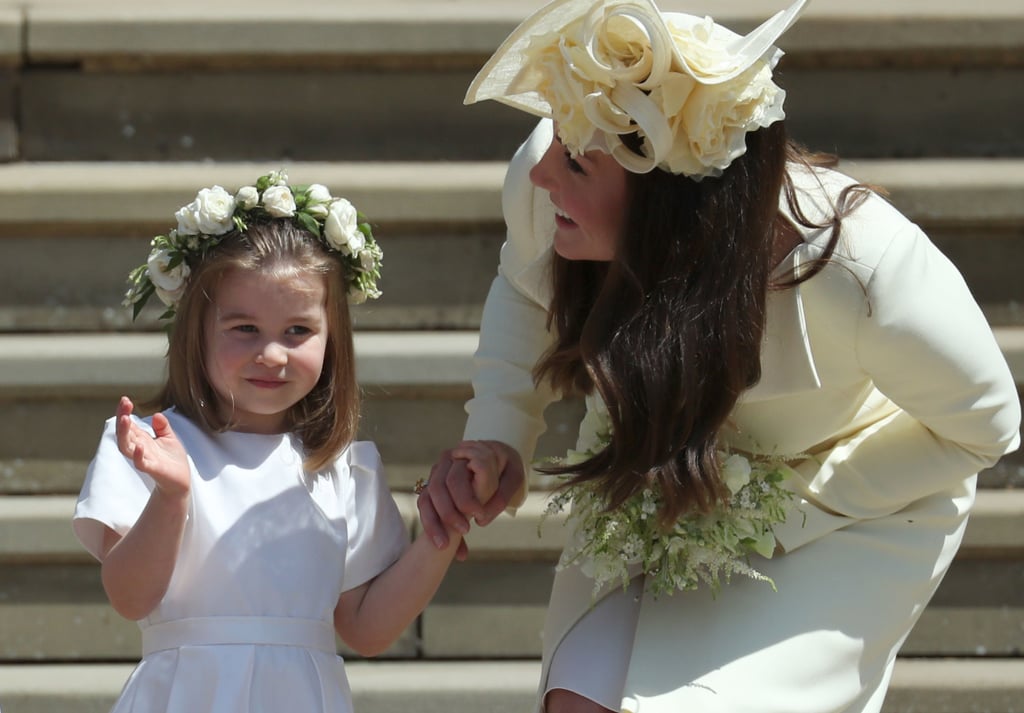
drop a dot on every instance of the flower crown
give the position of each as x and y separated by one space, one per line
215 213
601 69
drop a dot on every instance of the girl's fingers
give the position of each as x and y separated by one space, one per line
161 426
437 491
431 522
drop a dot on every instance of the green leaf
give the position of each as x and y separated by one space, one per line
309 223
144 295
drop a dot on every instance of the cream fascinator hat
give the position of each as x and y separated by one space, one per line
690 88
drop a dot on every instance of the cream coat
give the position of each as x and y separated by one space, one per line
882 368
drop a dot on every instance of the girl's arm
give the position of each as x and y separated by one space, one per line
137 568
371 616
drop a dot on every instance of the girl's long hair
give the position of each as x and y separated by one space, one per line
326 419
669 332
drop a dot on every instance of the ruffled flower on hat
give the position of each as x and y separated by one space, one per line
624 69
689 88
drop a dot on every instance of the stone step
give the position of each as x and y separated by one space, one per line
880 79
440 226
415 385
52 605
56 31
918 685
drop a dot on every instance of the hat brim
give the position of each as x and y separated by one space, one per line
497 77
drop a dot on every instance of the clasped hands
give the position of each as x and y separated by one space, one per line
475 481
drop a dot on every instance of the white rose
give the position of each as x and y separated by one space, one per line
342 228
169 282
367 260
736 472
318 197
278 178
188 219
356 296
211 213
247 197
216 211
279 201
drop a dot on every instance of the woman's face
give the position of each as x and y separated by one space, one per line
589 194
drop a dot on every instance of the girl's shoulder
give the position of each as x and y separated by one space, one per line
355 483
361 456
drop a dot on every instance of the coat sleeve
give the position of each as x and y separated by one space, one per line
507 406
926 345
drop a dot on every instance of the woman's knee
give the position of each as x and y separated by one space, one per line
559 700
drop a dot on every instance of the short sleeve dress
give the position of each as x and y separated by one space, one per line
246 624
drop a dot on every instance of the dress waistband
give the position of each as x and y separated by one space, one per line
226 630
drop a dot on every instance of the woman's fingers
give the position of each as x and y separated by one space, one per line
437 502
510 483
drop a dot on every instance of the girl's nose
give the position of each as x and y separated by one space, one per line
272 354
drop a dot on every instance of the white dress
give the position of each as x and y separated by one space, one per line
246 623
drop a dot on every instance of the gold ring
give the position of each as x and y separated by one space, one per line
421 485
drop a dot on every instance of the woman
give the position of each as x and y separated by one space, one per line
711 287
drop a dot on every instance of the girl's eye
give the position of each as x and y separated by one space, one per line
299 330
246 328
573 164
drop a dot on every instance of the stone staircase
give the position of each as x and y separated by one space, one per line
113 113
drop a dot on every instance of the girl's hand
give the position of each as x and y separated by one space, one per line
161 456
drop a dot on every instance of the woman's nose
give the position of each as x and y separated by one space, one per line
541 174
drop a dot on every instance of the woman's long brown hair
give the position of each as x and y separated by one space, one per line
669 332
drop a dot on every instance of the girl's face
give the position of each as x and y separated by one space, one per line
589 194
265 338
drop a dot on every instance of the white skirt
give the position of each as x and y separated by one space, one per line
825 642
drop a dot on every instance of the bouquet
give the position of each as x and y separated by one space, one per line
611 545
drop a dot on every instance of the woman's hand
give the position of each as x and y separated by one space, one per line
161 456
475 480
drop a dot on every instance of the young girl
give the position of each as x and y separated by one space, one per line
713 288
241 526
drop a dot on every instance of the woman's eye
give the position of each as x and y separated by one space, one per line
573 164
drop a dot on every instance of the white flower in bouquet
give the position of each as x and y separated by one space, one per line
613 545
